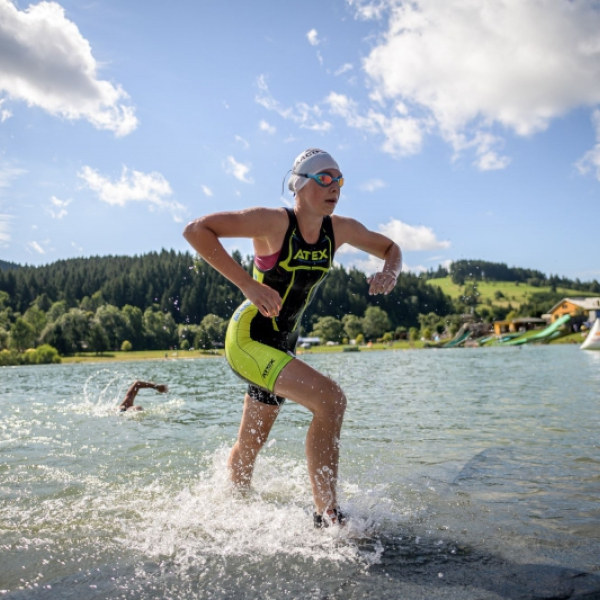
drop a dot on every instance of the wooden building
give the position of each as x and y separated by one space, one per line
587 309
518 324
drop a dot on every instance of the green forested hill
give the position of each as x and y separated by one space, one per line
189 289
482 271
506 293
173 281
172 299
4 265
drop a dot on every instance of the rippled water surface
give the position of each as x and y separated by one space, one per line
466 473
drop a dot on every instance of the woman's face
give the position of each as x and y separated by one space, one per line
316 198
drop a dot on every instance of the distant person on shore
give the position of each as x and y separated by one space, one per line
127 403
293 252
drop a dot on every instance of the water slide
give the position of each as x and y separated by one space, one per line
550 332
592 341
462 335
507 337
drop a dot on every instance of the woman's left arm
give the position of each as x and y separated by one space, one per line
350 231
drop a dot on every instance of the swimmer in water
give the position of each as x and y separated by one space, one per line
127 403
293 252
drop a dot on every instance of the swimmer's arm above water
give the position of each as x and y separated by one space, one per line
350 231
127 403
139 385
257 223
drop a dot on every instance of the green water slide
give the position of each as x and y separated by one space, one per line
550 332
508 337
460 338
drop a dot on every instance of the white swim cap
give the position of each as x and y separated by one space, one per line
311 161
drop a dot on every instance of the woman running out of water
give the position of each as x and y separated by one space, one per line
294 251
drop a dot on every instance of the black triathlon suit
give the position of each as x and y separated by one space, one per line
259 347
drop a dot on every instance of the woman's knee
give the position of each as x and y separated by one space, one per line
334 403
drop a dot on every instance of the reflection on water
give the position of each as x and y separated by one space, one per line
467 474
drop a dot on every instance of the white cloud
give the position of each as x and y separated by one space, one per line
58 210
46 62
4 112
486 148
37 247
413 268
403 136
313 37
344 68
412 237
591 159
367 10
490 161
307 117
371 264
470 66
372 185
238 170
266 127
446 263
133 186
8 173
5 228
241 140
207 191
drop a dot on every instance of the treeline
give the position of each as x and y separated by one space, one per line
161 300
461 271
171 281
4 265
171 299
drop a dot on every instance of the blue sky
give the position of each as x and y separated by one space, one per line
464 129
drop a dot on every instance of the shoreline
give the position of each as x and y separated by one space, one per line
195 354
143 355
118 356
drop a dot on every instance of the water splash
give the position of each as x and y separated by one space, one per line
209 519
104 389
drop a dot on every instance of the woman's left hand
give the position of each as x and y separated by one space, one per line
382 283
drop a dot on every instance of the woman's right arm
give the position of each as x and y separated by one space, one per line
203 235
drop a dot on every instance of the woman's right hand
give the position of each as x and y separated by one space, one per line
265 298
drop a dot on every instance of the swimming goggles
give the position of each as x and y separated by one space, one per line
323 179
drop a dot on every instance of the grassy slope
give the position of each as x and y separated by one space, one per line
515 293
89 357
84 357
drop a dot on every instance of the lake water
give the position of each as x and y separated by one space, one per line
467 474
